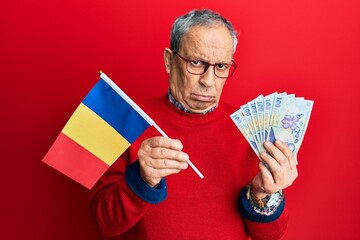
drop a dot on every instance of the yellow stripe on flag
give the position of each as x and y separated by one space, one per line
93 133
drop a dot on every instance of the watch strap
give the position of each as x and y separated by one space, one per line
260 203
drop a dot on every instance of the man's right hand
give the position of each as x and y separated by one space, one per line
160 157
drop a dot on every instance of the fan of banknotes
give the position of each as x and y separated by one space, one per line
276 116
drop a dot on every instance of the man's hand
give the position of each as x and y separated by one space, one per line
282 164
160 157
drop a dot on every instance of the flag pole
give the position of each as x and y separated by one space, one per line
142 113
189 162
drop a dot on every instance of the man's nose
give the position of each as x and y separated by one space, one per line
209 77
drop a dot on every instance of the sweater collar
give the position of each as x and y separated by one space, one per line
177 104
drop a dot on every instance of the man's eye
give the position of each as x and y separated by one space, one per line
197 63
222 67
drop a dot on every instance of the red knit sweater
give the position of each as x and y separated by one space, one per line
194 208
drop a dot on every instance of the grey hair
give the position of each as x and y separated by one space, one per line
205 18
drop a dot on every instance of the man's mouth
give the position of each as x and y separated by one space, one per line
202 98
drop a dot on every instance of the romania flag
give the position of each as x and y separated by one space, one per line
102 127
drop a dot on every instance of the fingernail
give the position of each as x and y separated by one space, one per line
179 145
267 143
186 165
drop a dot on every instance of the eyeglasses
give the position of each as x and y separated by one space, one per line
198 67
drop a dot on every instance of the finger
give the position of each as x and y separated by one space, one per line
284 148
276 153
165 142
267 178
166 164
276 169
166 153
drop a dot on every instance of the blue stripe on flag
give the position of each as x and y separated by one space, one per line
110 106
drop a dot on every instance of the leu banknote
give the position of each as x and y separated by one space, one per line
275 116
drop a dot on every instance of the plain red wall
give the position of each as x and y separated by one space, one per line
51 52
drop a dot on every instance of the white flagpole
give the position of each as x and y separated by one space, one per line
142 113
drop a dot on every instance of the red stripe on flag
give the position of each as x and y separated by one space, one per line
74 161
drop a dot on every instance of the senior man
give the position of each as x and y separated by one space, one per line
148 193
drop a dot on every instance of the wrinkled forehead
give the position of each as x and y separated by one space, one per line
210 43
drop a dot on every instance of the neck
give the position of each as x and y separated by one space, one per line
177 104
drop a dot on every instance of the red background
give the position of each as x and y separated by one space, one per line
51 52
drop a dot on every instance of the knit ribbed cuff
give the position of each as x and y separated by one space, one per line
141 188
247 210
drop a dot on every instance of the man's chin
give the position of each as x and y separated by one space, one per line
201 108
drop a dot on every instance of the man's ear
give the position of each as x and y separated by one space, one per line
167 59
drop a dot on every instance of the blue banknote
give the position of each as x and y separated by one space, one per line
275 116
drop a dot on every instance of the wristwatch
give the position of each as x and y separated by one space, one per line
268 201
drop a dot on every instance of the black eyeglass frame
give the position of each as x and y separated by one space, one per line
233 64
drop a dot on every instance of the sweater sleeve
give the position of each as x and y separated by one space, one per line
121 198
262 226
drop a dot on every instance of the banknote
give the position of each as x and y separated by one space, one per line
246 111
247 116
275 116
259 101
268 107
254 119
242 125
289 121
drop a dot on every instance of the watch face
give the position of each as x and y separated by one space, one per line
273 198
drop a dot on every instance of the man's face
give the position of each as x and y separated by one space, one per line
199 93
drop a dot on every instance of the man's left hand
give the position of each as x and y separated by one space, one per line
282 172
